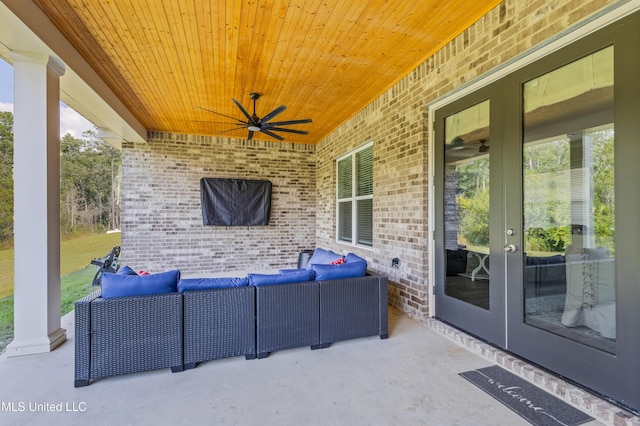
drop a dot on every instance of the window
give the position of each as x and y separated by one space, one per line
355 197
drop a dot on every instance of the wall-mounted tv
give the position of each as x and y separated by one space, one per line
235 202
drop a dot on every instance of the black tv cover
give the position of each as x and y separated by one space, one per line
235 202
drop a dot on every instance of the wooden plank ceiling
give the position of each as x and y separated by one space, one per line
323 59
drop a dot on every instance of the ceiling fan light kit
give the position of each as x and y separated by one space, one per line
264 125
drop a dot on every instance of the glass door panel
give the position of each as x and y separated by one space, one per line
469 292
466 205
568 202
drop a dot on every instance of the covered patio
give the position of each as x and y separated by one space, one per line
365 79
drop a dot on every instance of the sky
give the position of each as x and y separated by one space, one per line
70 121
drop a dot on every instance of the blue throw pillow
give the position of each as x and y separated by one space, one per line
352 257
345 270
295 276
125 270
322 257
114 285
207 283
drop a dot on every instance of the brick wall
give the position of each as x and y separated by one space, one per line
162 220
397 122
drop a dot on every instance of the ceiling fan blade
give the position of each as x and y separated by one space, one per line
273 113
283 129
231 130
250 135
273 135
286 123
241 124
244 111
217 113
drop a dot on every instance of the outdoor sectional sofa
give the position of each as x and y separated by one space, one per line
201 319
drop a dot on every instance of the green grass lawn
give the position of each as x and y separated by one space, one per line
6 321
77 274
75 254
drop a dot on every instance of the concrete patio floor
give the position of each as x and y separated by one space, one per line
410 379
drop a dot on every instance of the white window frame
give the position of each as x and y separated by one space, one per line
353 198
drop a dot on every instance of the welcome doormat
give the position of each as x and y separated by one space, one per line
527 400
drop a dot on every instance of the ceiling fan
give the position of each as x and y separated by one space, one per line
264 124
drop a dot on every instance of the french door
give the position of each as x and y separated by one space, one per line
537 212
470 288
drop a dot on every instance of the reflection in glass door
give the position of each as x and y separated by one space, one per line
568 202
466 205
562 288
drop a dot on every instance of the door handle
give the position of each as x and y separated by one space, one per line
510 248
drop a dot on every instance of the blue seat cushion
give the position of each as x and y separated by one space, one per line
289 271
345 270
114 285
293 276
322 257
189 284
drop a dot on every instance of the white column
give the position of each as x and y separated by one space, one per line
36 204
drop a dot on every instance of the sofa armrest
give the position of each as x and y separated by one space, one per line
352 308
82 315
383 304
134 333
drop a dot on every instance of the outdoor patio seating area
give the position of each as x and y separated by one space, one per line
474 154
412 378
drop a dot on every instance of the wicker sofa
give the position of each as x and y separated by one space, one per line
178 330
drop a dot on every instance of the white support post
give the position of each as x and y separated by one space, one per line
36 204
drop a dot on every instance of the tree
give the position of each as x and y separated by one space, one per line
88 172
474 218
549 193
472 189
6 177
604 185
